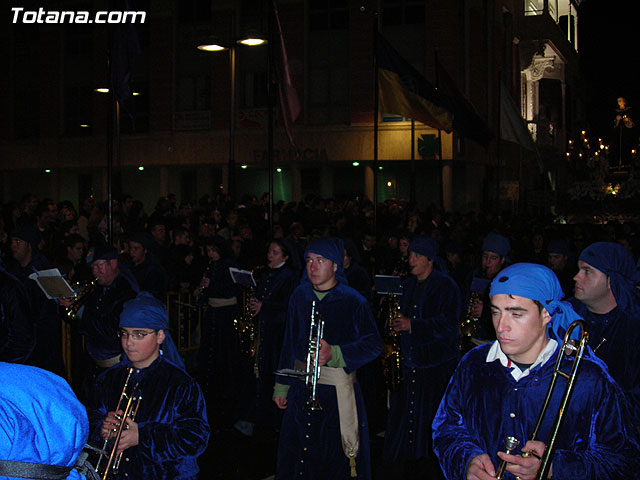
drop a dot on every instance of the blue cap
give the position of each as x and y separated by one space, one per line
101 253
426 246
558 245
27 233
494 242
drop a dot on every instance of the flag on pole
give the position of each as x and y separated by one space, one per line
125 48
466 121
404 91
289 102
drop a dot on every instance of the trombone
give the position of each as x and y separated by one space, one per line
129 402
567 348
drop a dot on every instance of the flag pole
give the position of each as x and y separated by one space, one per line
440 160
271 91
412 180
113 127
376 106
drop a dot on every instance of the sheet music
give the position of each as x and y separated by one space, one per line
52 283
242 277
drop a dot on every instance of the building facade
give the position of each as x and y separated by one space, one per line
516 62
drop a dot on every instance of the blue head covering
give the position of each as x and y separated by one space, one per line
558 245
426 246
494 242
102 253
331 248
28 233
615 262
41 420
537 282
146 311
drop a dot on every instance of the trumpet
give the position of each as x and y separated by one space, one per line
568 348
82 293
311 372
129 403
316 331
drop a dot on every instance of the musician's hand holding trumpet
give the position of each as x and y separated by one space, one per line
324 354
129 436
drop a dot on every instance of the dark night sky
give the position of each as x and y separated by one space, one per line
609 42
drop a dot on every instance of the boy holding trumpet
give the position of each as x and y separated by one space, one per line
169 428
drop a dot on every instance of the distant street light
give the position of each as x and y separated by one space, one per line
214 44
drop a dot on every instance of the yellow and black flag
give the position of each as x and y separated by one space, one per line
404 91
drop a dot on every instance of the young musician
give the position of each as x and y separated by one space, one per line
429 352
170 427
332 442
499 388
219 354
275 284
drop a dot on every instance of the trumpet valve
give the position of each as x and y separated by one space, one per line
313 404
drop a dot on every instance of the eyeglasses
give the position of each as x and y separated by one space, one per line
136 334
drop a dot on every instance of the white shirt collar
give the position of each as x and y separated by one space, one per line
496 353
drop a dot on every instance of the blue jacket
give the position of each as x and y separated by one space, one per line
484 404
172 420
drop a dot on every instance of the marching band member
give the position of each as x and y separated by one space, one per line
607 297
333 442
99 317
219 354
495 257
429 346
170 428
275 284
499 388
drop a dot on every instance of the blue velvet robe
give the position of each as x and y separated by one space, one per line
219 359
47 352
429 355
275 287
484 404
152 276
359 279
172 420
101 318
620 349
17 329
310 444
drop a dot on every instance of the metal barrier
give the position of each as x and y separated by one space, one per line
185 320
65 329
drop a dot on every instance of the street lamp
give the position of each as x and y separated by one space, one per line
214 44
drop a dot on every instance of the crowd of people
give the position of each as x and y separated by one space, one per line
485 301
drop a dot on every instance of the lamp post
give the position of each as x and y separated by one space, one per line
214 44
